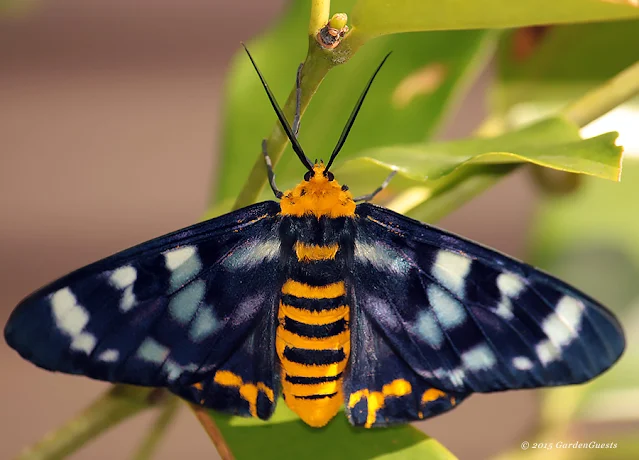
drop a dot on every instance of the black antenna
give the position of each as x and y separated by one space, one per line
280 115
351 120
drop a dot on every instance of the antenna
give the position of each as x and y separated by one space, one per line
351 119
280 115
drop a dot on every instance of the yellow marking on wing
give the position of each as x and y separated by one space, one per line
432 394
318 196
227 379
329 291
248 391
314 317
376 399
308 252
198 386
333 342
266 390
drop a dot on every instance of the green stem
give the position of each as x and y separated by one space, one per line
118 404
156 433
604 98
320 11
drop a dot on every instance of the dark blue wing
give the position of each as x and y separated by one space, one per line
169 312
247 384
380 388
468 319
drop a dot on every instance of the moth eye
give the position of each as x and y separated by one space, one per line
330 176
308 176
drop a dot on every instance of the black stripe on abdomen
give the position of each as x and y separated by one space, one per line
315 331
314 357
312 380
314 305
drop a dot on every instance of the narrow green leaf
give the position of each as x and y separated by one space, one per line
378 17
285 436
439 166
552 143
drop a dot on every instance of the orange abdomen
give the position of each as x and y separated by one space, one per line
313 340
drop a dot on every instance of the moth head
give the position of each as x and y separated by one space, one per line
318 194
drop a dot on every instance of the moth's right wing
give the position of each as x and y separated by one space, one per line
167 313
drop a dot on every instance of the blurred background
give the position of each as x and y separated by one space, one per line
109 130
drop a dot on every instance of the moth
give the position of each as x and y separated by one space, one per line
324 299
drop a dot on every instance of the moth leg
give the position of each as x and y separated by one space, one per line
298 100
269 168
370 196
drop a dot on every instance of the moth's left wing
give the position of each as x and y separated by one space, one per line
170 312
469 319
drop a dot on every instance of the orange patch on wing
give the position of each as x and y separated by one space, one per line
376 399
248 391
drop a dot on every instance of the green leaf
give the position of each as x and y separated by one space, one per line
285 436
379 17
564 63
437 167
424 77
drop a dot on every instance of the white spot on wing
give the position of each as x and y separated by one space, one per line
174 370
451 269
561 327
456 376
176 257
547 351
128 299
522 363
480 357
69 316
123 277
505 309
109 356
84 342
252 254
204 325
184 303
381 257
510 285
450 312
152 351
71 319
184 263
429 330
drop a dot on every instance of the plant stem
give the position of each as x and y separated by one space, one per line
213 431
156 433
604 98
118 404
320 11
